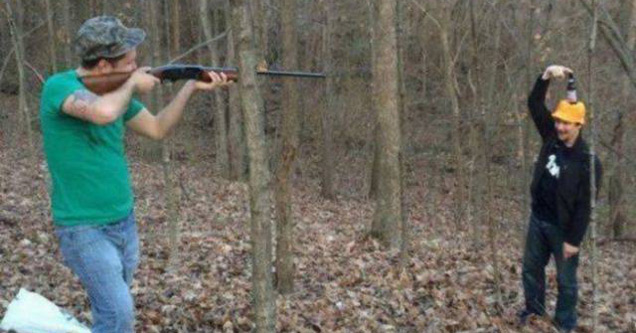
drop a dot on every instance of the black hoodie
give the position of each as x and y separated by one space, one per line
572 193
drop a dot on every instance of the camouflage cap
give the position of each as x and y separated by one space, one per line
105 37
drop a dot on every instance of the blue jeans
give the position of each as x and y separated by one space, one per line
545 239
104 257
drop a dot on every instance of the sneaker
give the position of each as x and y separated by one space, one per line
524 316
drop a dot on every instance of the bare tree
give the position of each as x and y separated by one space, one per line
443 25
175 27
590 107
171 28
525 127
387 221
375 159
261 26
259 174
220 121
156 57
66 32
152 150
611 33
401 37
49 22
327 151
236 141
543 40
488 136
477 123
18 46
616 192
290 109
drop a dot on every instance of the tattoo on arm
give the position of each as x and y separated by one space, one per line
79 104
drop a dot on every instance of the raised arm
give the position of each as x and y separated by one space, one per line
536 101
105 109
539 112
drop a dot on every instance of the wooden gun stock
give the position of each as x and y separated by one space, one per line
102 84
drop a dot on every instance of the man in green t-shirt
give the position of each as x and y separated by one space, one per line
91 195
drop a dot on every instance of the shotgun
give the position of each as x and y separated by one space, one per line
102 84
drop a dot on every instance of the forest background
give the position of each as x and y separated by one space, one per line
431 242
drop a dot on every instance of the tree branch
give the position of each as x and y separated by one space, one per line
426 14
200 45
35 71
612 35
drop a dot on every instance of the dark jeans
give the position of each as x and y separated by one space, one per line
545 239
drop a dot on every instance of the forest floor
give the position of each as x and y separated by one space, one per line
345 281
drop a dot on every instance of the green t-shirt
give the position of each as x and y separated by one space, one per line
87 162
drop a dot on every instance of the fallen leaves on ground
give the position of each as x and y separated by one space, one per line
345 281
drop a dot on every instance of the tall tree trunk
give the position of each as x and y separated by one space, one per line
449 85
18 45
476 187
264 304
221 125
327 151
401 37
196 28
491 205
590 108
175 27
525 126
261 27
220 121
236 136
51 29
171 27
152 150
617 202
375 148
387 221
616 194
66 15
490 219
290 103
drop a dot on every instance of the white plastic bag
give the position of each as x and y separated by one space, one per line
32 313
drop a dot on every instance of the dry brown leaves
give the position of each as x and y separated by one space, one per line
345 281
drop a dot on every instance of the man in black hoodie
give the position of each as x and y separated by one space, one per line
561 194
